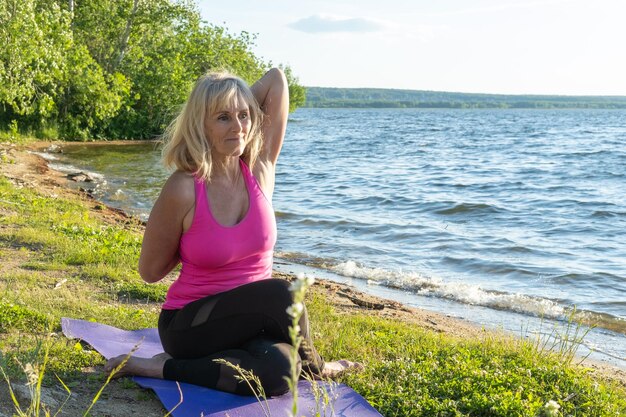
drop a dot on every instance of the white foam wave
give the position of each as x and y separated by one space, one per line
67 168
457 291
119 195
45 155
63 167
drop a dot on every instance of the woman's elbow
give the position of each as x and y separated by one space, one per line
149 278
149 273
278 75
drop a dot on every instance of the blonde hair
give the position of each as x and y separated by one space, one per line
185 143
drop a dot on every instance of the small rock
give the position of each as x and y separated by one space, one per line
54 149
88 191
47 395
79 177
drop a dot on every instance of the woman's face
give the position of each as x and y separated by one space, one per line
227 128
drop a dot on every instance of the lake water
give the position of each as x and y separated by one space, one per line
496 216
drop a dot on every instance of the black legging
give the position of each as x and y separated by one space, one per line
247 326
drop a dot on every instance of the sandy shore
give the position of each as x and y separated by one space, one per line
30 170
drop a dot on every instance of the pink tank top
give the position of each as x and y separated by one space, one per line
217 258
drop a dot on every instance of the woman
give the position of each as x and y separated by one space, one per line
214 215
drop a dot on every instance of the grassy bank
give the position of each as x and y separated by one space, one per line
63 255
14 136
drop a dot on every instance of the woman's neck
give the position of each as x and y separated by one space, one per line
225 170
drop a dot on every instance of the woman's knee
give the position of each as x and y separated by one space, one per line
278 369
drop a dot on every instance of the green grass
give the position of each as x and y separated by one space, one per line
19 317
414 372
142 292
59 259
64 232
14 134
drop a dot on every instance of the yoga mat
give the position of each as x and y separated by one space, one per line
199 401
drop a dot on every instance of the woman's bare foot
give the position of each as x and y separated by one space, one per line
337 368
132 365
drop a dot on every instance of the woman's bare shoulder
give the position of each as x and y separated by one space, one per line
179 188
181 177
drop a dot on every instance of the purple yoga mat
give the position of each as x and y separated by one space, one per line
197 401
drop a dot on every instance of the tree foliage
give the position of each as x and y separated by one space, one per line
297 93
111 68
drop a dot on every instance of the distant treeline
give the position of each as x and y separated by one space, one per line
378 97
110 69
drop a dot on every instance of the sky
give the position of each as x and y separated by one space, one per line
564 47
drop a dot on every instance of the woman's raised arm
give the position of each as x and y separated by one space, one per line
272 94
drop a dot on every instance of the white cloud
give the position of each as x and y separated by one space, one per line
327 24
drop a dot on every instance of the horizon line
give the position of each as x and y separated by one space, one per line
622 96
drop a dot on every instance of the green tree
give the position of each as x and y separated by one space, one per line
91 96
111 68
49 79
34 41
297 93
